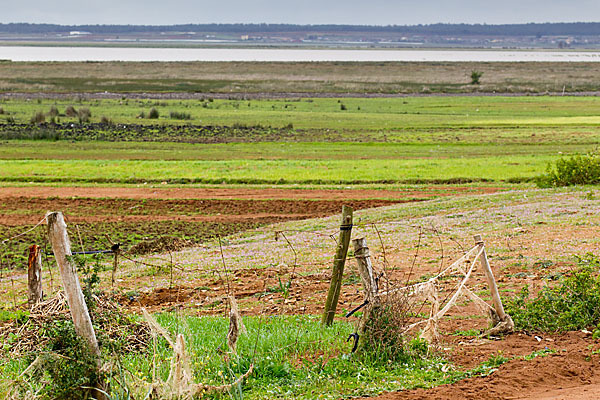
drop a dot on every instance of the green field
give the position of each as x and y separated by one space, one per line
308 141
405 119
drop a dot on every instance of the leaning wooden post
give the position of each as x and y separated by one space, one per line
34 276
490 278
365 270
61 246
339 261
504 322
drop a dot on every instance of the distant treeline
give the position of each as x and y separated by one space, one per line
532 29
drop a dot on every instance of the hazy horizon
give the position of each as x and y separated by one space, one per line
353 12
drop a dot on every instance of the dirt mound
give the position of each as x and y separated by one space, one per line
161 245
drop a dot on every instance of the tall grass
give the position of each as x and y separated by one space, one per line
293 357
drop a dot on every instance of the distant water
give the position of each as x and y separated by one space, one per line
33 53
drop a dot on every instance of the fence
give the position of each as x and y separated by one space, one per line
288 270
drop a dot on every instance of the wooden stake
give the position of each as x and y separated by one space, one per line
339 261
115 265
365 267
365 270
490 279
61 246
34 276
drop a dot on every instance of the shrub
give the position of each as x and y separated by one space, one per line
575 170
343 107
84 115
475 77
1 111
384 336
53 112
70 111
70 365
180 115
572 304
38 118
104 120
153 113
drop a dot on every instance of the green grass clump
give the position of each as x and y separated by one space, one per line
572 304
153 113
180 115
575 170
38 118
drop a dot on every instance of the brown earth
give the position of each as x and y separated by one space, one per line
242 193
571 372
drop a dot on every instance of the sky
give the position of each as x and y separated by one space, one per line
358 12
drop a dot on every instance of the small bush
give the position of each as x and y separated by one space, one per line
38 118
180 115
104 120
70 365
575 170
475 77
384 336
343 107
1 111
153 113
572 304
53 112
84 115
70 111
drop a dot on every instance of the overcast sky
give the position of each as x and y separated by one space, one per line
372 12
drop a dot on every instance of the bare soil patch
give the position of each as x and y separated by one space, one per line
571 372
239 193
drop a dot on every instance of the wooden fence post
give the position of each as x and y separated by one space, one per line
498 307
61 247
339 261
365 270
35 291
115 249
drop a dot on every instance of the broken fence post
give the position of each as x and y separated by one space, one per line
504 322
339 261
35 291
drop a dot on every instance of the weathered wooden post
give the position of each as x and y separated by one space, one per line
61 246
115 249
35 291
339 261
503 322
365 270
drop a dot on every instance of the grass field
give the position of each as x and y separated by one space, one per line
323 77
309 141
399 119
